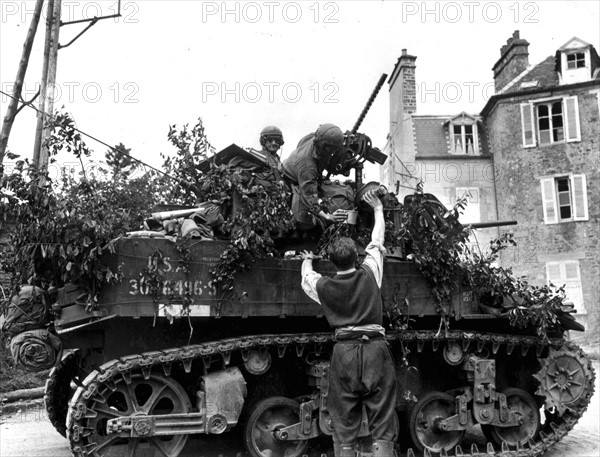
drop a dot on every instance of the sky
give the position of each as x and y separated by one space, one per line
241 66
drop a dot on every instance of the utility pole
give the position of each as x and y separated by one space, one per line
41 115
50 83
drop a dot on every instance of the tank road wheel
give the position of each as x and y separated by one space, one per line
268 416
525 406
423 423
58 391
156 395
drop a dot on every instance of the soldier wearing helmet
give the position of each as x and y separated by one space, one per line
303 169
271 140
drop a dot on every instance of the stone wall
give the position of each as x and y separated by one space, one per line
518 173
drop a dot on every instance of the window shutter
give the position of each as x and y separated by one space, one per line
549 201
571 110
527 125
567 274
553 273
573 289
580 204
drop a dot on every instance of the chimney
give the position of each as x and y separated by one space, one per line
403 88
514 59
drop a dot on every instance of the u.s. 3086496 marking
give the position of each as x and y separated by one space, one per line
177 287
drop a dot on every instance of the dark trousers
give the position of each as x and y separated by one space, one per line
362 373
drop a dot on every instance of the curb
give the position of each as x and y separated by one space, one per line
20 406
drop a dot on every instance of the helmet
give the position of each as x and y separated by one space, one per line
330 135
329 140
271 132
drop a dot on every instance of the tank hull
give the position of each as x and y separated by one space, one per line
228 362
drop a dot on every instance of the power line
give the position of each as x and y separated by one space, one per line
112 148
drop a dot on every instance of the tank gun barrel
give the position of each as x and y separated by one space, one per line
478 225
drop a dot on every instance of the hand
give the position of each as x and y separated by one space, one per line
308 255
373 200
326 218
340 215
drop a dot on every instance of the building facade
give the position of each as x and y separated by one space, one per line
543 127
532 155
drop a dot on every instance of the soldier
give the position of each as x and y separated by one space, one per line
362 369
271 140
269 171
303 170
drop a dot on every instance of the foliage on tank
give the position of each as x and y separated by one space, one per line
62 233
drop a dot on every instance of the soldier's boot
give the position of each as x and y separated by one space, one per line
383 448
344 450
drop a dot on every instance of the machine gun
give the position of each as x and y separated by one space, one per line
357 146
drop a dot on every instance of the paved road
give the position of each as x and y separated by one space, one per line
29 434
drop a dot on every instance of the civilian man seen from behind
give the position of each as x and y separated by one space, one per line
362 369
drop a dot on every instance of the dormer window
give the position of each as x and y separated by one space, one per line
463 135
464 139
575 60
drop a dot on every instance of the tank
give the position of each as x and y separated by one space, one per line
164 355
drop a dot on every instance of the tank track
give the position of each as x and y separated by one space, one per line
553 430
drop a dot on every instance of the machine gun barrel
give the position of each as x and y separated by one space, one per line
478 225
367 107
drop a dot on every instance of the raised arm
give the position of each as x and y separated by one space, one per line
378 233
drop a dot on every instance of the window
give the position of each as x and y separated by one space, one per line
550 122
567 273
575 60
464 139
564 199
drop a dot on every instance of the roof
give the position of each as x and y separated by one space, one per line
574 43
430 136
545 75
539 76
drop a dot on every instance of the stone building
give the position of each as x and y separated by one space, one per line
531 155
543 128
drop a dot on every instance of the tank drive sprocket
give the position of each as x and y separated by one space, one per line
566 379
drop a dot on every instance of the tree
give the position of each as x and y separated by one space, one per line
12 109
120 161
